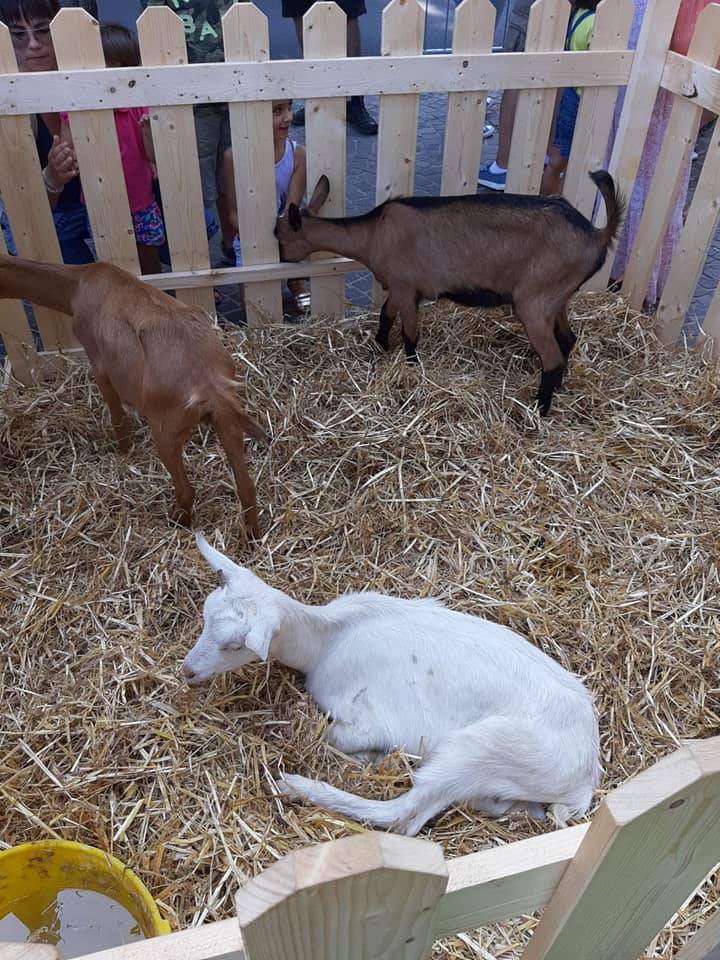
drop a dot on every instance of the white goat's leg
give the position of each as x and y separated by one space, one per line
352 738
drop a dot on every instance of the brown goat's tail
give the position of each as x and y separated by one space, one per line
228 411
50 285
614 205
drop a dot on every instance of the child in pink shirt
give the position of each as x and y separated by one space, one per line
136 151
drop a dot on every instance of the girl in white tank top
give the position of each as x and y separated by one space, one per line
290 176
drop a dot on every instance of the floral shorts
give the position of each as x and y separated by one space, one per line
149 226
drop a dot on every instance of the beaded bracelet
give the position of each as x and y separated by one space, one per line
49 186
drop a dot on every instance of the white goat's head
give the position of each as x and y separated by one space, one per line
240 618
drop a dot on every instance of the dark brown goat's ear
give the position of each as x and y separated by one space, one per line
294 218
320 195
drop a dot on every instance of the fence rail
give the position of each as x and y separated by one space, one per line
605 889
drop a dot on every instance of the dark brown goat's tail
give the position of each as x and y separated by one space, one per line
614 205
50 285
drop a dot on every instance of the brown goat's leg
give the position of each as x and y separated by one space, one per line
387 318
563 334
408 318
119 419
233 441
169 444
542 338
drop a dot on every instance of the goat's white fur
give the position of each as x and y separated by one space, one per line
501 724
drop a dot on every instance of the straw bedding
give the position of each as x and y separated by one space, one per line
595 533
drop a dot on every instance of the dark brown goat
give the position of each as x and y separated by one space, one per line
486 250
151 352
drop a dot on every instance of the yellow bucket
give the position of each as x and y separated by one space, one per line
33 874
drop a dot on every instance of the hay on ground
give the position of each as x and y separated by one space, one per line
595 533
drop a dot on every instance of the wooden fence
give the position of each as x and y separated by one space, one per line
248 80
605 889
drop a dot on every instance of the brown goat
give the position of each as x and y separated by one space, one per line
153 353
481 250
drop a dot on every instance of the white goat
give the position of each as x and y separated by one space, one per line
502 724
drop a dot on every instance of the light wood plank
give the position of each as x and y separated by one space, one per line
711 323
245 34
697 81
649 846
473 33
680 136
76 37
213 941
700 226
505 882
16 335
652 47
28 951
611 29
27 205
403 30
325 36
372 895
249 82
256 274
547 27
162 41
706 940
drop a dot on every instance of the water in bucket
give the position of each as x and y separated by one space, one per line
74 921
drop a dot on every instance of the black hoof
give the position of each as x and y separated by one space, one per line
410 348
382 340
549 383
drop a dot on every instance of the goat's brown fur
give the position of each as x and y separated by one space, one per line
533 252
153 353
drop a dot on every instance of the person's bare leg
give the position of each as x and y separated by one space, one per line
299 34
353 37
508 106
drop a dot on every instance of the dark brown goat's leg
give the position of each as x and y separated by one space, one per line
408 319
542 338
563 334
387 318
119 419
169 444
233 441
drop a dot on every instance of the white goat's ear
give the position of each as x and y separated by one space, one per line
259 638
223 566
320 195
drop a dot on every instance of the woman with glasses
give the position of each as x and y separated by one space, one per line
29 24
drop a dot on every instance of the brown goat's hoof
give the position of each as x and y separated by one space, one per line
182 516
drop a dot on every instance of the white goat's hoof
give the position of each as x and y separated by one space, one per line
288 786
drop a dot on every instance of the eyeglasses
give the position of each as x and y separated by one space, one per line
21 37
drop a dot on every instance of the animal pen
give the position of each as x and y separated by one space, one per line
606 888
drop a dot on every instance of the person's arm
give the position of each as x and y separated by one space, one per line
61 164
298 181
146 131
229 188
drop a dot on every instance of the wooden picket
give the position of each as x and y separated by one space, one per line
76 37
246 37
162 42
325 36
700 227
403 26
472 33
597 104
640 96
680 136
25 199
547 27
16 335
